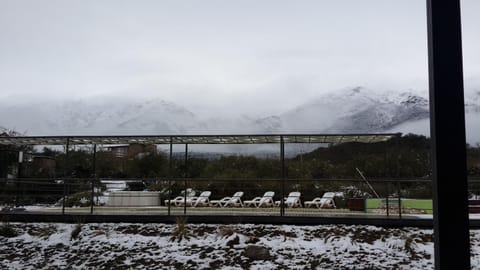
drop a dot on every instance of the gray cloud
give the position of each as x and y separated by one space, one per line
244 56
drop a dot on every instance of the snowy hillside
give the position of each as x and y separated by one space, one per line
163 246
472 120
357 110
98 116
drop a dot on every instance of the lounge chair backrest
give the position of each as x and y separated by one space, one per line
291 199
269 194
294 194
328 195
205 194
238 194
190 192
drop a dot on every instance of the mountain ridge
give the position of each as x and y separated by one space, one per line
349 110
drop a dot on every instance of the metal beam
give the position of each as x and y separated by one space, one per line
447 127
94 177
185 174
197 139
282 175
170 174
65 174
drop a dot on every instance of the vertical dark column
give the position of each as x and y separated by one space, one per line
94 177
185 180
385 162
282 175
170 174
66 171
399 191
447 125
387 199
18 184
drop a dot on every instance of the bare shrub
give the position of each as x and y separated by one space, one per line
76 232
181 230
7 230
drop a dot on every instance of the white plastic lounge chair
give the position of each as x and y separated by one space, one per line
327 201
234 201
265 201
253 202
219 203
315 202
293 200
179 200
202 200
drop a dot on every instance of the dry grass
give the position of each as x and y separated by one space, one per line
181 230
76 232
7 230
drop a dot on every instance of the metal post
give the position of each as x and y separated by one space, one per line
170 174
67 146
18 183
282 175
94 177
385 162
387 197
447 128
185 180
399 200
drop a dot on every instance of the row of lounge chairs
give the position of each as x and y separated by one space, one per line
292 201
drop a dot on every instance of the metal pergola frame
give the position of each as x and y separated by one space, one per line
197 139
280 139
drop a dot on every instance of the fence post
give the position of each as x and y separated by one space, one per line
387 197
67 150
170 175
94 169
185 180
399 200
282 159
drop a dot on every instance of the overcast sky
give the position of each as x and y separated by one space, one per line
266 55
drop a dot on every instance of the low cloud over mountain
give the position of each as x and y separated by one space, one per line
352 110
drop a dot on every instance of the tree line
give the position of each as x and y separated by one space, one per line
407 156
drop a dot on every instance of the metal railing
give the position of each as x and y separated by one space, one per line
397 198
165 196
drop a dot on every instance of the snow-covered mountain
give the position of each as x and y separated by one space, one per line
357 110
348 110
97 116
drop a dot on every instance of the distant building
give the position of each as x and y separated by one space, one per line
131 151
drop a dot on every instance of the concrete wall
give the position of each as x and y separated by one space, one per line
134 198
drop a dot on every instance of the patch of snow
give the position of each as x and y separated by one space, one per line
152 246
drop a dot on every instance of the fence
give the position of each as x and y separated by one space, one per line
259 197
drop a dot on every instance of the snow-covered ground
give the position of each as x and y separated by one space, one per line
247 246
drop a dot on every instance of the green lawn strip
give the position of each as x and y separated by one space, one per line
373 203
418 204
423 204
